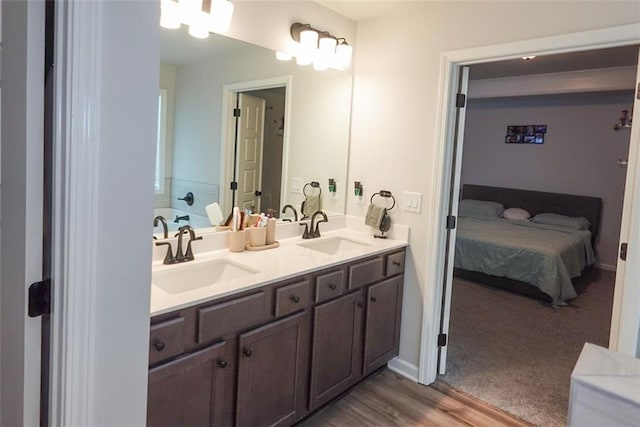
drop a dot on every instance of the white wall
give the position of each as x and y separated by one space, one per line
395 103
578 156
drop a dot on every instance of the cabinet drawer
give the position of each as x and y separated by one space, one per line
166 339
329 285
240 313
291 298
395 264
366 272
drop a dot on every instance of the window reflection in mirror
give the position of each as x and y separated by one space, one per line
305 129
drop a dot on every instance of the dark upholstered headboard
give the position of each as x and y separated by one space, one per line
536 202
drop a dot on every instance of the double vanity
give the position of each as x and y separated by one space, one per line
265 338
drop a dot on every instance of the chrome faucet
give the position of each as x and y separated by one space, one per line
163 221
315 232
295 213
180 256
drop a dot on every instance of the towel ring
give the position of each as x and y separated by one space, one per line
387 195
312 184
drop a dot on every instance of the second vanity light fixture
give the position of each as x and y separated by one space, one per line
317 47
190 12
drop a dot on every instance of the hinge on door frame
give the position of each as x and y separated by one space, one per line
236 112
623 251
461 100
442 340
234 185
40 298
451 222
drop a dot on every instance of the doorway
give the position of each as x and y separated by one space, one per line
513 351
625 315
255 148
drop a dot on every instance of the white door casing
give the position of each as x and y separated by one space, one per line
249 154
435 257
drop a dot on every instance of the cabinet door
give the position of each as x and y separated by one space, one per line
382 329
336 354
273 373
191 391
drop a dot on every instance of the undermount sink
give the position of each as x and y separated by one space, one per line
333 245
190 276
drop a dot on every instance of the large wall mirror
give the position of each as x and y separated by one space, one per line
293 130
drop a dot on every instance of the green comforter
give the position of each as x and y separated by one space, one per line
545 256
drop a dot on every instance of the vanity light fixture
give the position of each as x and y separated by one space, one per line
189 12
318 47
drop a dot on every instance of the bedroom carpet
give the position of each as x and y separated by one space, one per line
517 353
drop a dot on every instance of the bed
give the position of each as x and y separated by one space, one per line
534 259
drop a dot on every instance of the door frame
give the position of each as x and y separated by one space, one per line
228 135
450 65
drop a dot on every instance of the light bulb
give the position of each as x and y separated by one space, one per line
189 9
309 39
220 16
198 27
343 55
324 55
169 14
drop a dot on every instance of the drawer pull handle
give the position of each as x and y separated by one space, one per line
295 298
222 363
333 286
247 352
396 263
158 345
374 299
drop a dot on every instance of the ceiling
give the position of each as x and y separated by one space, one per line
573 61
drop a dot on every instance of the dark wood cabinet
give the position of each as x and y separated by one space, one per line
382 325
273 372
192 390
336 356
271 355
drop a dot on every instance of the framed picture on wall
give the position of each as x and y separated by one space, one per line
525 134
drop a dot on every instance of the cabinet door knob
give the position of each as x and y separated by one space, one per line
158 345
295 298
359 304
374 299
247 352
396 263
222 363
333 286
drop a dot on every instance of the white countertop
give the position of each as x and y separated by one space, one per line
273 265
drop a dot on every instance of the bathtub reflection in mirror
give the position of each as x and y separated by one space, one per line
300 119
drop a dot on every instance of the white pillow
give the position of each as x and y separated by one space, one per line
516 214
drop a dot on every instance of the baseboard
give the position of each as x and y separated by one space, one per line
404 368
607 267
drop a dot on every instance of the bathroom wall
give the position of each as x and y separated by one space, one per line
168 83
395 107
579 155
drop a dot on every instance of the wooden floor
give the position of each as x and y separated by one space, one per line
387 399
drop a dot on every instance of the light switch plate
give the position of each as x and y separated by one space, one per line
296 185
412 202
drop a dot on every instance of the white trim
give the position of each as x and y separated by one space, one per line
450 63
606 267
404 368
78 54
228 130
